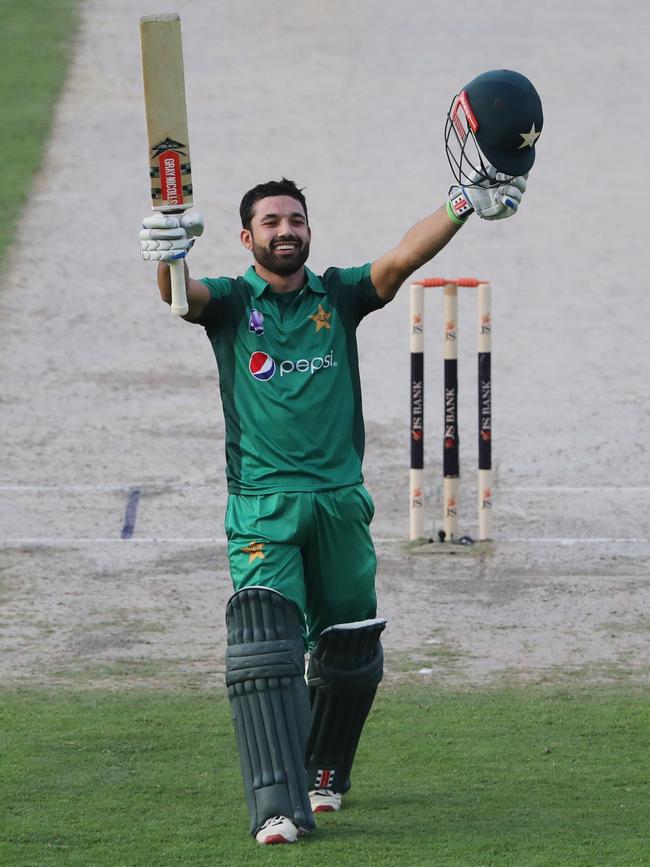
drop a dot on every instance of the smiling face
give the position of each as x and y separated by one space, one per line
279 235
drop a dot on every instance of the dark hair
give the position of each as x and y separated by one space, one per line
284 187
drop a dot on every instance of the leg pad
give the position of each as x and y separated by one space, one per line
269 702
345 669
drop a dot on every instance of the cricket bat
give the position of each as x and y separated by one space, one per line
170 170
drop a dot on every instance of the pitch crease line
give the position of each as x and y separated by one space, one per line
183 486
379 540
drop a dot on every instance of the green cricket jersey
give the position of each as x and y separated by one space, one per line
289 379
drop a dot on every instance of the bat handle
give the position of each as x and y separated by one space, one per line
179 292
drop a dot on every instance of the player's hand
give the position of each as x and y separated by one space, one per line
489 200
165 238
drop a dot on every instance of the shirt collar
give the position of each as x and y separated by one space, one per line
259 285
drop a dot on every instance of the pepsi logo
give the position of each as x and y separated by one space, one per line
261 366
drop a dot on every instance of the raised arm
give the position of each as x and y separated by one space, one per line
420 244
491 199
165 238
198 294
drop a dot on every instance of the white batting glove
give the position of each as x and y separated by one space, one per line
165 238
489 202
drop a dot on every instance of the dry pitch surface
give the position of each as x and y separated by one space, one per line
105 393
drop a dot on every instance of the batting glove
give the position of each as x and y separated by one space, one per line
489 201
165 238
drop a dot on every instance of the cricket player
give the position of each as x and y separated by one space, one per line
297 522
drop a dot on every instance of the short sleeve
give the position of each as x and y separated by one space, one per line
216 312
356 283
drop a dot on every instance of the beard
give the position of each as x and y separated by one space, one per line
282 265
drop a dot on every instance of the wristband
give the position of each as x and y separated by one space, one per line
458 206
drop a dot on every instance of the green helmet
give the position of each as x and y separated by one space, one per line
497 118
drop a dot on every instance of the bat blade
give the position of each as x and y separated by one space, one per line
170 169
164 97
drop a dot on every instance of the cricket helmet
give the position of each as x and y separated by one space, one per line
496 118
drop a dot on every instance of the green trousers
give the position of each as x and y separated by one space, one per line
314 548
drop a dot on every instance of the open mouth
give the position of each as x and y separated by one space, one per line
285 246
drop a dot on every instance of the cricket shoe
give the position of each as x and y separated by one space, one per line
324 801
278 829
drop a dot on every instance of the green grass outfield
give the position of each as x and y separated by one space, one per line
37 38
498 777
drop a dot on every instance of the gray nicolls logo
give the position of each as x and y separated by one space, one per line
325 778
169 144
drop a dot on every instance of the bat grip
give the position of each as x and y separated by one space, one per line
179 292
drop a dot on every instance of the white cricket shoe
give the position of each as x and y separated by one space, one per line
324 801
278 829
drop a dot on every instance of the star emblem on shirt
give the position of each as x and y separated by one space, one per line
529 138
255 551
321 318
